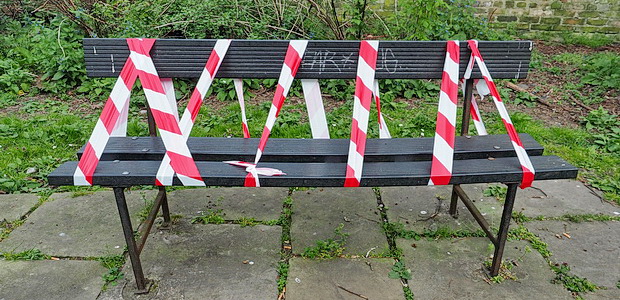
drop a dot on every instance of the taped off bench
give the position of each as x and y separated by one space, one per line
114 160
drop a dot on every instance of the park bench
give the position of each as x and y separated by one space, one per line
133 161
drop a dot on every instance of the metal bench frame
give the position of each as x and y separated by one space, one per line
327 60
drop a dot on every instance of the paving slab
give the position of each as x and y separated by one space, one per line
14 206
263 204
48 279
426 207
554 198
318 212
593 250
325 279
453 269
609 294
83 226
196 261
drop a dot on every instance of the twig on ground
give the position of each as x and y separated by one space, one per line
353 293
517 88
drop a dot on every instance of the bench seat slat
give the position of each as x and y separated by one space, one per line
315 150
507 169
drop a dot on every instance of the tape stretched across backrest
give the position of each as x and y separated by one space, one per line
364 85
112 119
445 130
292 61
524 159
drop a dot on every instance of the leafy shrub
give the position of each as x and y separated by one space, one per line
437 20
40 55
605 128
603 69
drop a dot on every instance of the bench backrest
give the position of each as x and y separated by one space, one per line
322 60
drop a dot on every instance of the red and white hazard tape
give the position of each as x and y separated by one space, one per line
443 147
364 84
176 147
482 90
115 107
292 61
524 160
139 64
165 173
244 121
316 110
384 133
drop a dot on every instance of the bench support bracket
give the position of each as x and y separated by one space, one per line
498 241
134 254
133 247
502 235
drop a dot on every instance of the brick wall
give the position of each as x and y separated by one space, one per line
581 16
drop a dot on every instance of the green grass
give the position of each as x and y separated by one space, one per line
43 140
600 169
32 254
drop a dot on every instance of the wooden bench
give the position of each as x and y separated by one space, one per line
131 161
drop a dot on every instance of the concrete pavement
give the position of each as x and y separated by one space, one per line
74 234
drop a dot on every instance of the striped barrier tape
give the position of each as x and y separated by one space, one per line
115 107
443 147
482 90
316 110
165 173
384 133
138 64
175 144
364 84
524 160
292 61
244 121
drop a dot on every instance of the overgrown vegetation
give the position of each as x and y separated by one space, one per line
41 72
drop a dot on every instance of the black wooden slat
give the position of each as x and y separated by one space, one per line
315 150
508 169
323 59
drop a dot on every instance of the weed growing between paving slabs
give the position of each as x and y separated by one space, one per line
329 248
7 227
519 217
571 282
114 263
286 218
399 269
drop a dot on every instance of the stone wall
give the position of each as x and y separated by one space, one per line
581 16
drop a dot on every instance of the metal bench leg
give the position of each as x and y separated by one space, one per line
503 228
134 255
454 201
165 211
469 88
